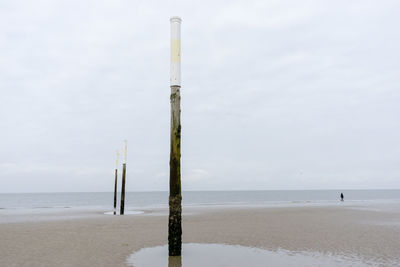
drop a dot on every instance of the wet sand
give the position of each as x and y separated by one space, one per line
367 233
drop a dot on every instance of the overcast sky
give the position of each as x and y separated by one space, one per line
275 94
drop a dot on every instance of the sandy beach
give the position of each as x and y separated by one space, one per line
94 239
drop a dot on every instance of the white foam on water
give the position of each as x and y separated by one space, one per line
128 212
213 255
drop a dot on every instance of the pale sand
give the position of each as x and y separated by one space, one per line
106 240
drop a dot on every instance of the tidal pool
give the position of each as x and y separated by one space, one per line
213 255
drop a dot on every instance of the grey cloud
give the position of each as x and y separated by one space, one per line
276 94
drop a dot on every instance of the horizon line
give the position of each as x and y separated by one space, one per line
224 190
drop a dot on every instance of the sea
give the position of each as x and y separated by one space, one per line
159 199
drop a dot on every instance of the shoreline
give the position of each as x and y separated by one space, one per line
36 214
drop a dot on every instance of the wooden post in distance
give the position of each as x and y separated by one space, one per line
122 208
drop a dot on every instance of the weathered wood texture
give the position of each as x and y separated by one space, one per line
115 191
123 189
175 197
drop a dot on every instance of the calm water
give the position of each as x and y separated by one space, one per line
191 198
217 255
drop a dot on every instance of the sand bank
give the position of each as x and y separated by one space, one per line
370 234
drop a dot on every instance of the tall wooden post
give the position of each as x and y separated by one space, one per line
175 197
123 180
115 184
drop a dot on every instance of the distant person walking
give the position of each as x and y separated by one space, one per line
341 197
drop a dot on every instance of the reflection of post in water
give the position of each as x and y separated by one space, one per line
174 261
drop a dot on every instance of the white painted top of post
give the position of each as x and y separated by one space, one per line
125 150
175 77
117 158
